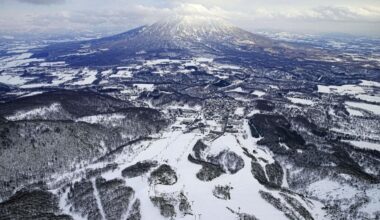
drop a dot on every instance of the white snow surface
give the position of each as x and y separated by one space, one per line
122 74
231 67
239 111
109 119
32 93
375 109
327 188
369 98
301 101
237 89
173 148
342 90
370 83
157 62
35 85
258 93
88 77
354 112
12 79
204 60
145 87
53 64
365 145
373 206
17 60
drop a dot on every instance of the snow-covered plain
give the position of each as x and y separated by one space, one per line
370 83
365 145
342 90
145 87
354 112
369 98
12 80
375 109
109 119
122 74
237 89
23 59
258 93
301 101
89 77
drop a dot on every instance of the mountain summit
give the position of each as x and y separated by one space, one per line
189 30
195 28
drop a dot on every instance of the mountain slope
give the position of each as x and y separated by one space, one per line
186 33
171 37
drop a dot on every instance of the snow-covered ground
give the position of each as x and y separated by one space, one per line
370 83
53 64
375 109
342 90
354 112
301 101
12 79
108 119
158 61
173 148
327 188
122 74
231 67
145 87
237 89
88 77
240 111
258 93
369 98
365 145
23 59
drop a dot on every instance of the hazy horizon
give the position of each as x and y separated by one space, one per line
62 16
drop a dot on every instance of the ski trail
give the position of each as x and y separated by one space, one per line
98 202
170 141
187 149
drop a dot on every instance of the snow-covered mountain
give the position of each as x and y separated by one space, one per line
191 35
189 118
185 33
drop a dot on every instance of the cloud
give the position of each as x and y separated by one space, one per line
317 14
43 2
348 14
120 19
306 14
116 20
121 15
198 10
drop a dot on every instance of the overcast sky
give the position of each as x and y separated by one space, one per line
344 16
